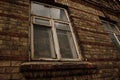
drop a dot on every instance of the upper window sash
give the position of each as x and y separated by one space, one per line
48 11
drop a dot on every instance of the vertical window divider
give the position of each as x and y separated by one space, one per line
32 39
56 43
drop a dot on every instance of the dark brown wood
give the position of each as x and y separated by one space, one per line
97 32
14 2
57 70
14 34
14 58
97 43
15 16
74 16
98 6
83 11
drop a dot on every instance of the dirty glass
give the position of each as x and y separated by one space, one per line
114 29
58 14
40 10
65 39
43 42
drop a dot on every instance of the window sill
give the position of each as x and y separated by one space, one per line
36 70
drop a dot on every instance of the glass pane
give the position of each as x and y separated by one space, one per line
113 28
66 44
43 42
42 22
62 26
40 10
118 36
116 40
58 14
105 25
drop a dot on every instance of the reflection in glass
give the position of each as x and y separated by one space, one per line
43 43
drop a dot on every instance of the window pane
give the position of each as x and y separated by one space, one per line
43 42
62 26
117 43
116 40
113 28
118 37
42 22
66 44
58 14
40 10
106 26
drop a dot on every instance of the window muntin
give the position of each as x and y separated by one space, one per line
62 26
42 21
53 36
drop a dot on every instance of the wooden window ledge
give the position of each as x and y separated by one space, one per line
36 70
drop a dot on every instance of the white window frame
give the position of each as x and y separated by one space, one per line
55 39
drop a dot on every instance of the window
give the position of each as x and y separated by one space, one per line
113 32
51 34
